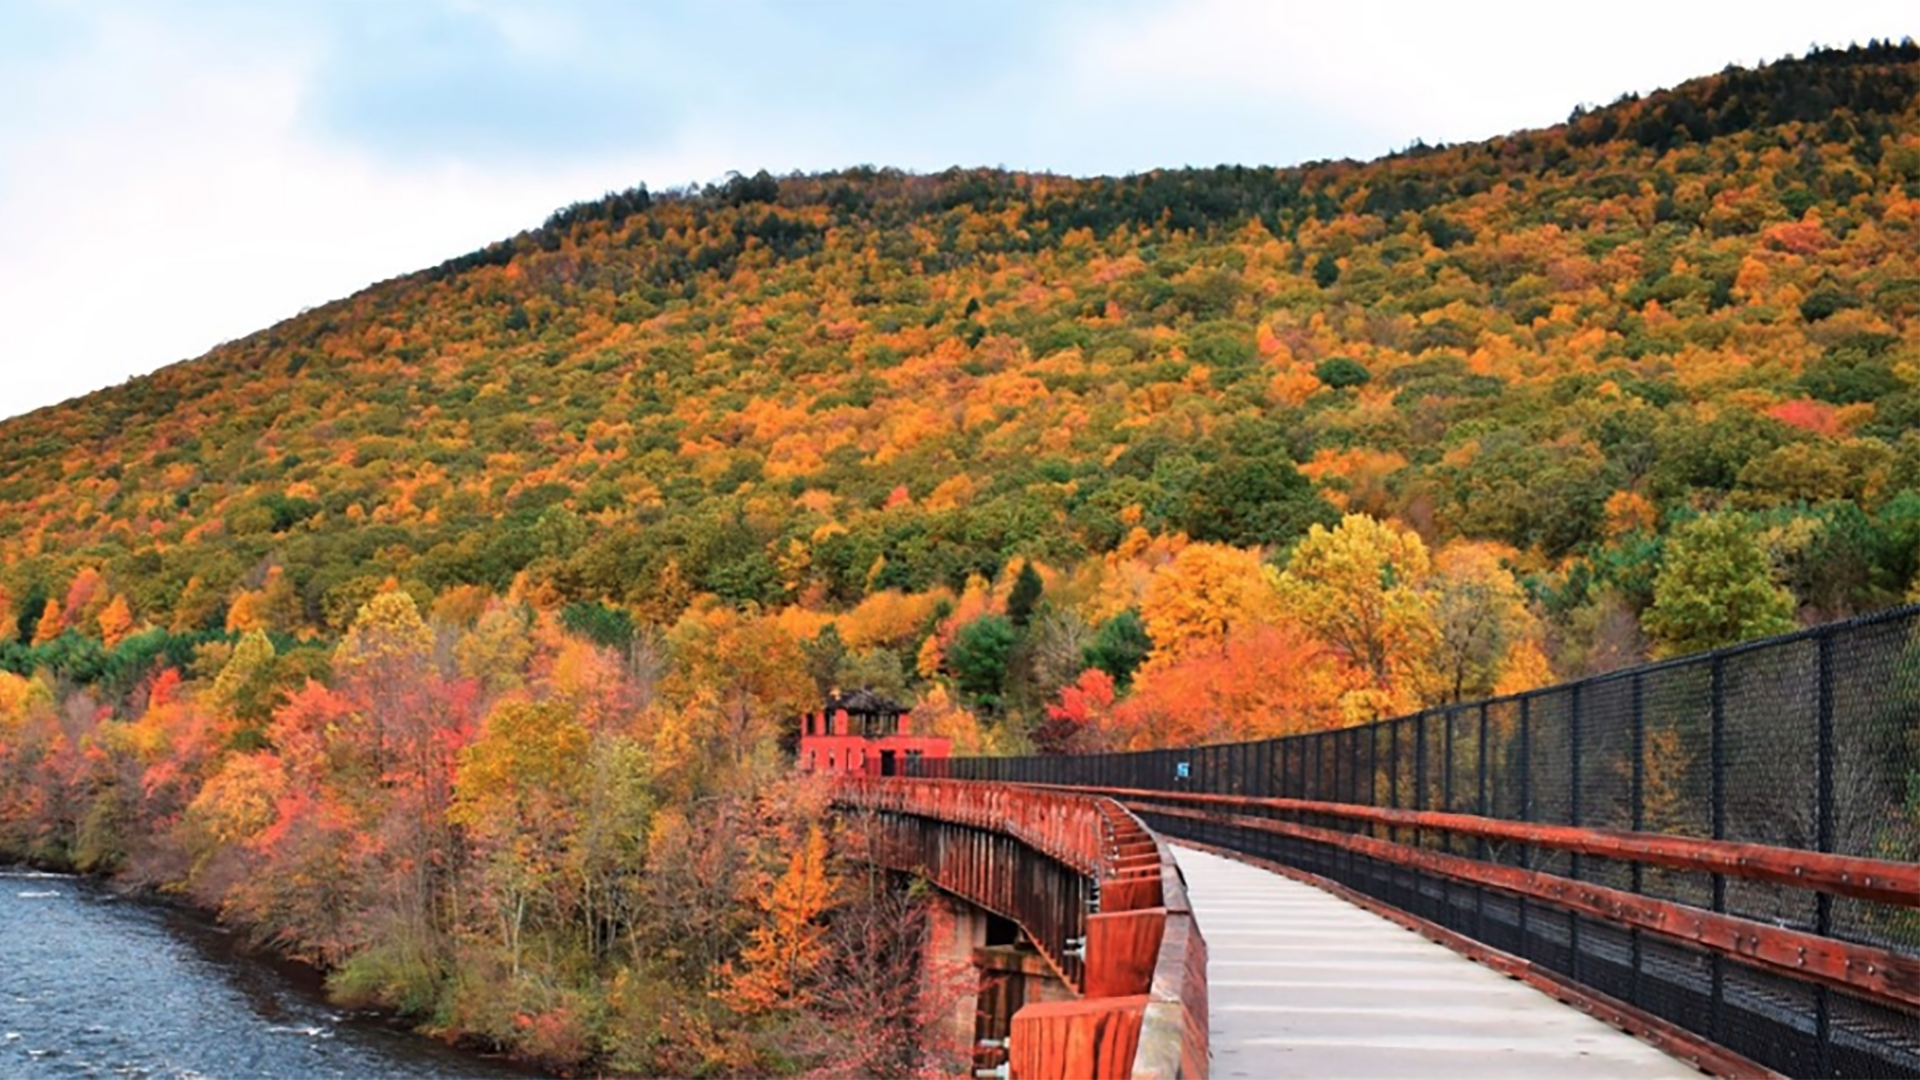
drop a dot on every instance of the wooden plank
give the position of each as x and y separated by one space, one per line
1130 894
1069 1039
1122 949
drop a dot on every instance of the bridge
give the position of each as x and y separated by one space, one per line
1700 866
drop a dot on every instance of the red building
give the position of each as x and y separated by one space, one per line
864 734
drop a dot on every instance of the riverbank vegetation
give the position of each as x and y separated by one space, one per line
508 833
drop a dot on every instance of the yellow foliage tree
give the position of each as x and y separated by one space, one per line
51 624
1121 578
386 627
753 673
590 681
237 803
938 714
789 945
1525 668
1630 511
116 621
496 649
17 695
1480 617
888 619
247 613
1360 588
1205 593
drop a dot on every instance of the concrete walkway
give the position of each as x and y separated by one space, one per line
1303 984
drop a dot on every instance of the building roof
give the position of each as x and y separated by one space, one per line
862 701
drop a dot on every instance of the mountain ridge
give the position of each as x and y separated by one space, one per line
1020 358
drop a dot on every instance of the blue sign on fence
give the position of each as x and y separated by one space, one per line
1181 771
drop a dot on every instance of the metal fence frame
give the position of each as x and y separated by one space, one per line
1805 743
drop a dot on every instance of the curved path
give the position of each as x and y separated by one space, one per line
1301 983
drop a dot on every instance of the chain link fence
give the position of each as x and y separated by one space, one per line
1809 741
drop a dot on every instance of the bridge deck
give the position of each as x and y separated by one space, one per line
1304 984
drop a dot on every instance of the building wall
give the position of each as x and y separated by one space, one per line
851 755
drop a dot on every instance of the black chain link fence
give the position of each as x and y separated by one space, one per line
1807 741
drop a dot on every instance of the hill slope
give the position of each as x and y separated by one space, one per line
814 387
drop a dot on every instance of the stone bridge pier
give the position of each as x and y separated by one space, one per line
985 965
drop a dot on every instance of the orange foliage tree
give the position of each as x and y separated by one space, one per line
1261 682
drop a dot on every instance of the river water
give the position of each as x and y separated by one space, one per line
94 985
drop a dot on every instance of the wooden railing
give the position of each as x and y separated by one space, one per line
1095 891
1720 851
1418 842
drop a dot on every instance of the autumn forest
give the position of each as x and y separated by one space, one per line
452 635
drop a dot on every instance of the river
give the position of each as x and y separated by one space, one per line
96 985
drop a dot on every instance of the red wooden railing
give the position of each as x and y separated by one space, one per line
1116 925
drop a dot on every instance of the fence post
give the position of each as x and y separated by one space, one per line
1573 818
1419 801
1526 805
1349 748
1639 812
1373 764
1332 793
1717 811
1393 774
1480 844
1824 840
1287 788
1314 782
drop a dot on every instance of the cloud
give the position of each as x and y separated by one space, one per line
1368 76
176 197
488 82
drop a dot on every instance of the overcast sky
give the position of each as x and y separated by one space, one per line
173 175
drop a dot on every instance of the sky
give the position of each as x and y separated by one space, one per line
178 174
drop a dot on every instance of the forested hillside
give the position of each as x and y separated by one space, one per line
1072 463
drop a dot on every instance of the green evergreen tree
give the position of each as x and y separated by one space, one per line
1025 596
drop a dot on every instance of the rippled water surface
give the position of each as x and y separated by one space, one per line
95 985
